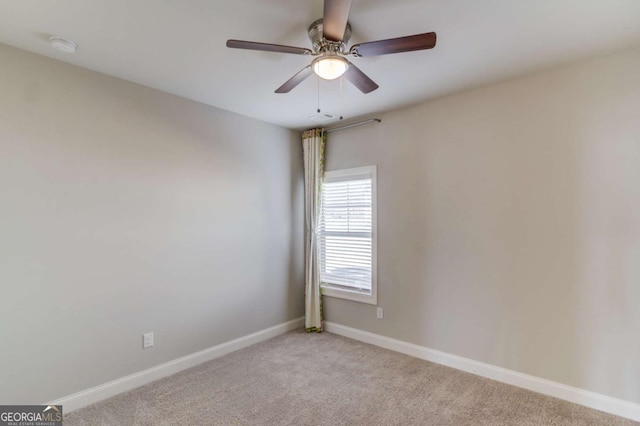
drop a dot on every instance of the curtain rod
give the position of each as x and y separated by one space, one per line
359 123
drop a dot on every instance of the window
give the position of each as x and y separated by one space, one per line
347 234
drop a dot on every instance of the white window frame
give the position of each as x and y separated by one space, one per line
327 289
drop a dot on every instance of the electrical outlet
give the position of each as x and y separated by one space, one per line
380 313
147 340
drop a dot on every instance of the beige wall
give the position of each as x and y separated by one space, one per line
125 210
509 224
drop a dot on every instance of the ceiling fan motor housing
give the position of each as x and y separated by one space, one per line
322 45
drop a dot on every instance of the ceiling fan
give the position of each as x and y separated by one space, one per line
329 37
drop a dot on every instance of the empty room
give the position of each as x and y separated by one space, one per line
319 212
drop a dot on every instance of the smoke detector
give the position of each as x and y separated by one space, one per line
63 44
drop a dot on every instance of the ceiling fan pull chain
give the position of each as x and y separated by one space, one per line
318 80
340 100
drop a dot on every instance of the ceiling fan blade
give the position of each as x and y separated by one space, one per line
267 47
360 79
395 45
334 21
295 80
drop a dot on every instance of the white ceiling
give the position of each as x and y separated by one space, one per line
179 46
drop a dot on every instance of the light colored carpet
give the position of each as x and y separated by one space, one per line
324 379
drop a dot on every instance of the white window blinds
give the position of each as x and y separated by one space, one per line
346 231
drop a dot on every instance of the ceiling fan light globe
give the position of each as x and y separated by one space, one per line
330 68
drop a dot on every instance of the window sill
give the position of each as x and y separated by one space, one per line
353 295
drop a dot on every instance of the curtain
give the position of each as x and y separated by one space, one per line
313 142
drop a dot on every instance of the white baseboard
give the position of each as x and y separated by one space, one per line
132 381
589 399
